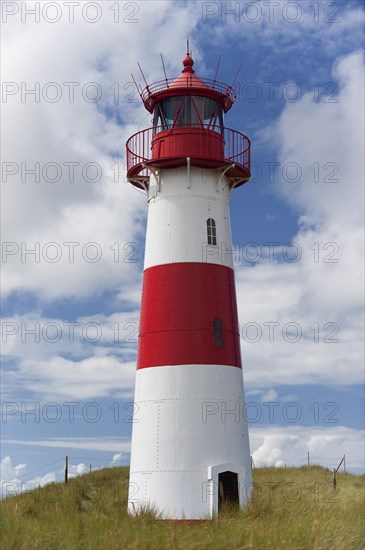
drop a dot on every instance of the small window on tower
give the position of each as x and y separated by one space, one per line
211 232
218 333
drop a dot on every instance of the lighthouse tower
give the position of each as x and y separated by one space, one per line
190 447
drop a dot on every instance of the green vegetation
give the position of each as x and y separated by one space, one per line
293 508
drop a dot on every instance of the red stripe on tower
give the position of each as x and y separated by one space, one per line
188 316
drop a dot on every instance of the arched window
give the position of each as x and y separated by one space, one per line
211 232
218 333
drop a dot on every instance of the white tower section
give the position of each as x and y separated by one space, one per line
190 424
185 201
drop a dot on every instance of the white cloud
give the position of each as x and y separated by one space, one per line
117 458
34 335
321 293
12 478
104 212
78 470
63 378
15 479
93 358
8 471
276 446
287 27
270 395
112 444
270 446
310 132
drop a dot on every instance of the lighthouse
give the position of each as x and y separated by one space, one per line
190 446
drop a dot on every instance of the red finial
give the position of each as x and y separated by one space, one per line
188 63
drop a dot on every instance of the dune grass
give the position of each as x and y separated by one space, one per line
292 508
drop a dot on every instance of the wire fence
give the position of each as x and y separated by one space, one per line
64 468
309 460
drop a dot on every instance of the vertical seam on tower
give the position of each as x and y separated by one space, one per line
218 351
221 398
158 437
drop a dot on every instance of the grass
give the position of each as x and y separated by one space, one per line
292 508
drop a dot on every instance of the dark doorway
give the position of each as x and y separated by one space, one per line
228 489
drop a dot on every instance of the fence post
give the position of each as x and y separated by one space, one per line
344 464
66 470
334 479
308 458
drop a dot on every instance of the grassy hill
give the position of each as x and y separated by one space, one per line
293 508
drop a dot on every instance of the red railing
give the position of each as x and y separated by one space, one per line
139 148
160 85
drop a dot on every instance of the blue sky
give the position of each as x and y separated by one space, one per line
297 226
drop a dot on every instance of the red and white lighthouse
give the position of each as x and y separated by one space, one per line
190 447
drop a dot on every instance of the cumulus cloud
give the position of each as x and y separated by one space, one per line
13 478
116 459
90 357
302 320
287 27
78 469
64 378
331 135
8 471
276 446
96 205
270 446
270 395
17 479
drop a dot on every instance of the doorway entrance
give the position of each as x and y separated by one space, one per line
227 489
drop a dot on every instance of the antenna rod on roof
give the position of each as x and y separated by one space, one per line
187 46
240 84
164 70
139 66
136 85
235 78
216 71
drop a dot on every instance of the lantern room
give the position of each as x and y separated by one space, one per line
187 101
188 128
188 110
